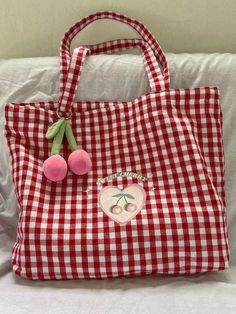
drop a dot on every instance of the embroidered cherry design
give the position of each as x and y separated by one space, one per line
130 207
116 209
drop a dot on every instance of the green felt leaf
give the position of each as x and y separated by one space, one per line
118 195
58 138
53 129
70 136
129 196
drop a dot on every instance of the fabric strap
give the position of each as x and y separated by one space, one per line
162 78
77 59
136 25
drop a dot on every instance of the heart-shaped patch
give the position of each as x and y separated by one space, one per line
122 206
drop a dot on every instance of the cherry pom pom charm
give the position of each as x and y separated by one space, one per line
79 161
55 166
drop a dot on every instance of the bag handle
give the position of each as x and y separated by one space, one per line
151 65
156 80
73 73
137 26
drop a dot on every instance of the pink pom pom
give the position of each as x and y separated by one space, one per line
55 168
79 162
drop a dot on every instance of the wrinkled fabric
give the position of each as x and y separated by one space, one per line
112 78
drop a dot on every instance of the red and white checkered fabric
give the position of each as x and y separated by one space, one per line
172 137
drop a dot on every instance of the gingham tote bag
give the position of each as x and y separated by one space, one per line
150 196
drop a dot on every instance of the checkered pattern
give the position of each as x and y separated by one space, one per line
151 65
71 83
136 25
156 80
171 136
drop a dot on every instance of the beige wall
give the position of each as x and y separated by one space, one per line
34 28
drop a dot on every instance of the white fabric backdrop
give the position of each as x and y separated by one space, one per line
120 77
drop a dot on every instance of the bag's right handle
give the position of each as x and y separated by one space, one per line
153 71
137 26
